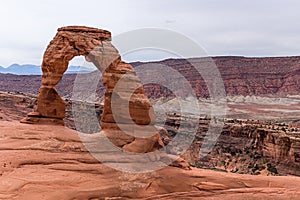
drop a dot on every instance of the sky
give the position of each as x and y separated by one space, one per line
232 27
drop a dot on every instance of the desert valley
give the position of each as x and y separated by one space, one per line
256 156
150 100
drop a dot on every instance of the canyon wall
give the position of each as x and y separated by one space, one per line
242 76
246 146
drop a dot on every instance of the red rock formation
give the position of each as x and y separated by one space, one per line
95 45
246 146
276 76
241 148
56 165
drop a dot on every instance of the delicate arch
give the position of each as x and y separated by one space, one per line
94 44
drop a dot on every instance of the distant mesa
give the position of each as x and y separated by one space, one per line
270 76
29 69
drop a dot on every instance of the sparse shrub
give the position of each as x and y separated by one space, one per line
281 124
271 168
30 106
198 165
256 173
235 170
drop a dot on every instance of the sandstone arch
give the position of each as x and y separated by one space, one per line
94 44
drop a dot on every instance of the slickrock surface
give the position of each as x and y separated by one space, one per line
50 162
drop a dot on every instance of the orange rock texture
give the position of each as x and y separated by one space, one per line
56 165
130 108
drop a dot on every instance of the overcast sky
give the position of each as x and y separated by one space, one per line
221 27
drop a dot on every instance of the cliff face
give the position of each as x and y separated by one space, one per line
260 76
247 146
242 76
283 149
244 146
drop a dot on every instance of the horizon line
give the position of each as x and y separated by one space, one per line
178 58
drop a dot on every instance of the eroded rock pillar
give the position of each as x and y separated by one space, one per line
126 106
